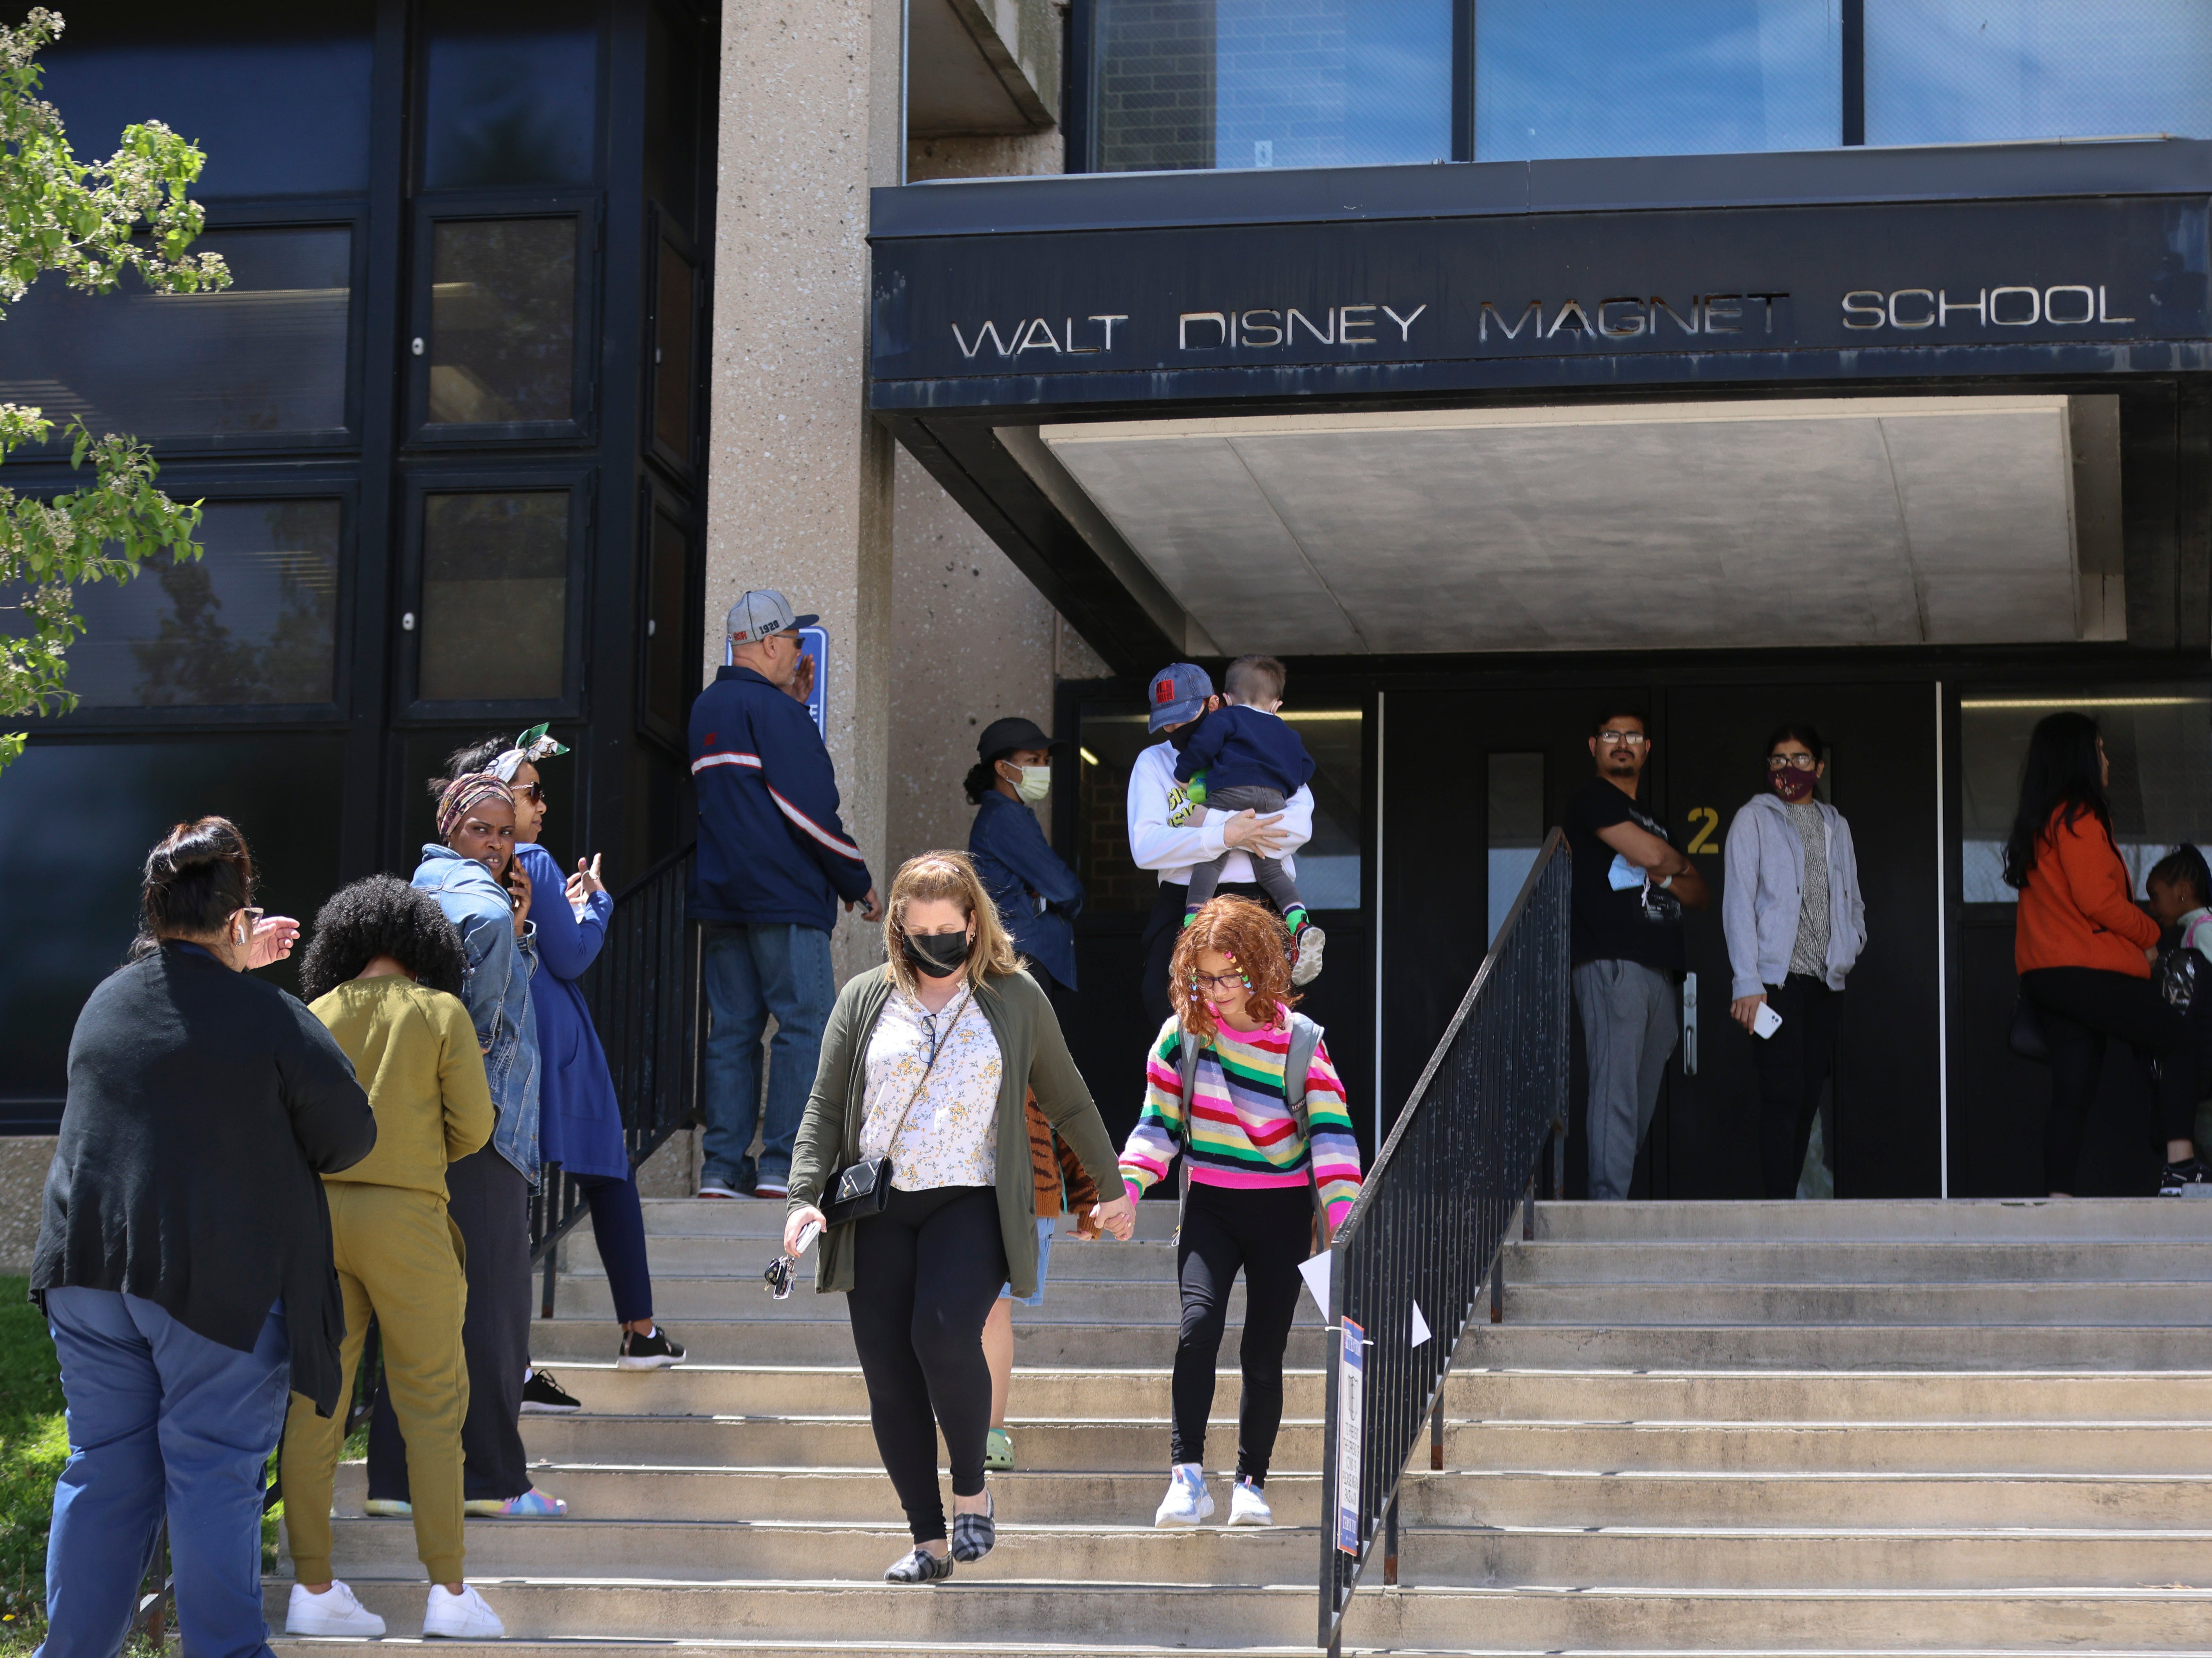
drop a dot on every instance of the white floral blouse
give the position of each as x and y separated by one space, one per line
951 1137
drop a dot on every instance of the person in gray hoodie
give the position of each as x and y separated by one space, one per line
1795 923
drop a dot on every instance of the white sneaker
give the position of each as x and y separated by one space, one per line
1306 967
462 1617
1187 1500
334 1612
1247 1506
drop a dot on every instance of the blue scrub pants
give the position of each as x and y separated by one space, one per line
160 1419
753 971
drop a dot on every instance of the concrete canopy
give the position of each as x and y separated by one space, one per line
1834 521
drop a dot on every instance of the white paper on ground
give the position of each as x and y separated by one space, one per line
1421 1326
1315 1273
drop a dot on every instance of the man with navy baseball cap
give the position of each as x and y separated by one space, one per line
1169 833
774 862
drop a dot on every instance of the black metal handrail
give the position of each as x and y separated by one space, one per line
1430 1218
643 992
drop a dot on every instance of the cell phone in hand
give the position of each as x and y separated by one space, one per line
1765 1021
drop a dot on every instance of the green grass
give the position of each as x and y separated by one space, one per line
33 1445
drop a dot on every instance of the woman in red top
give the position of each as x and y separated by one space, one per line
2084 951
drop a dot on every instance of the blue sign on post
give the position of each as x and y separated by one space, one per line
1351 1379
813 642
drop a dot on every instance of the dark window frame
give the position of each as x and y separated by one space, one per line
232 484
409 709
666 235
586 206
420 32
655 500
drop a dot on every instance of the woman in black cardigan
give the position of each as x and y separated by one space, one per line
183 1256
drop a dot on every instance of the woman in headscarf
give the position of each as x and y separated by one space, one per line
471 870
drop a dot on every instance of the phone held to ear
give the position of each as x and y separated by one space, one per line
1765 1021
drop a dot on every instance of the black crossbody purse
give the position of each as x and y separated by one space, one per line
863 1188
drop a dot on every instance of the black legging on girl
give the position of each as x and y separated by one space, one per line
1268 1232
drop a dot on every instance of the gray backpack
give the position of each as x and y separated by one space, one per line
1305 1038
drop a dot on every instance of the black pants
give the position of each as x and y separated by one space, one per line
1162 927
1267 1233
489 1200
2080 1008
1794 1064
925 1274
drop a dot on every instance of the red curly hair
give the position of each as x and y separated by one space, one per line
1251 937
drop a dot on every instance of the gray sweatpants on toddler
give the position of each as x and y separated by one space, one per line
1277 882
1631 1022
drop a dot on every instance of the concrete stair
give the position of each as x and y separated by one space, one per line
1818 1427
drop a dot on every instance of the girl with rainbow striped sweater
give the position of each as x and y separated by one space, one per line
1263 1153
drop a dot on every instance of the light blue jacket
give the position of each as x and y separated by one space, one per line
1763 890
496 992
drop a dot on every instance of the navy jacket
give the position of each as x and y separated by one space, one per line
1038 895
1241 747
771 846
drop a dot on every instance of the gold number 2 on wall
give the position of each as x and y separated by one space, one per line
1708 822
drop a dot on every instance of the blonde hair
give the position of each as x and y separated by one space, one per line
946 875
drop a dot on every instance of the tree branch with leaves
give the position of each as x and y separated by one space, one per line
87 223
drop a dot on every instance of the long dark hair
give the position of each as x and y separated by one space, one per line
382 916
196 875
2184 866
470 757
2060 778
982 778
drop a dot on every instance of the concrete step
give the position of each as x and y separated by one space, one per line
1771 1305
1884 1219
700 1257
1860 1261
1068 1298
1841 1347
977 1608
750 1217
827 1338
1833 1448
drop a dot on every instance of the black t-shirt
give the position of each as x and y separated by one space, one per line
1619 916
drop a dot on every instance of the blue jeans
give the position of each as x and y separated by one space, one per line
753 971
160 1419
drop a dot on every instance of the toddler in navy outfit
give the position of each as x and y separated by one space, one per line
1244 757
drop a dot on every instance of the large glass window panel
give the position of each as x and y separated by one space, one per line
2159 738
671 354
267 354
671 128
276 92
1967 72
1615 77
253 620
1244 83
502 320
669 670
495 618
512 93
1515 812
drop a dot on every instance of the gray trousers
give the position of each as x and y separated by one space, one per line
1631 1022
1276 881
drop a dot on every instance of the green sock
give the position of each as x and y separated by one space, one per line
1189 916
1295 916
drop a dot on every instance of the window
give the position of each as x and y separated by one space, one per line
253 621
2158 739
1965 71
1245 83
277 93
671 355
671 671
494 619
502 344
266 355
1612 77
512 93
671 127
1516 813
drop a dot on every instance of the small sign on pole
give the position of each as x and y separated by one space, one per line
814 642
1351 1369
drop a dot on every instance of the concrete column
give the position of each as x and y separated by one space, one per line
801 477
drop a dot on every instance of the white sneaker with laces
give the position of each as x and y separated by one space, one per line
1247 1506
463 1617
1187 1500
334 1612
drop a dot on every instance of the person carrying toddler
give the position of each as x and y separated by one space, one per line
1244 758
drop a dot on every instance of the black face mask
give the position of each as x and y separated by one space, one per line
1181 735
937 954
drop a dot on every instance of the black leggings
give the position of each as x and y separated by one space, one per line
1793 1065
1268 1233
925 1274
2078 1008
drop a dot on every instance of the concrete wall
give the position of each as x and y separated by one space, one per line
23 1161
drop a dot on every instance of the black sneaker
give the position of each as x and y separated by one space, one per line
541 1392
653 1352
2191 1180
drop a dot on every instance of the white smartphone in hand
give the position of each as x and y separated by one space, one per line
1765 1021
812 1230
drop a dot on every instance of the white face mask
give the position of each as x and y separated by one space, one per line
1036 784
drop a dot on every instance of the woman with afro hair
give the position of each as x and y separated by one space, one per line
1242 1088
383 972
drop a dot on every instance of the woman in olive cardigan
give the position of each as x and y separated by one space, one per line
931 1056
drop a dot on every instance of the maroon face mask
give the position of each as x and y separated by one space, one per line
1792 784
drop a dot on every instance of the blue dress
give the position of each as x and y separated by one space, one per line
579 1121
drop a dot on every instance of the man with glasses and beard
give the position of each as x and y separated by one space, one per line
1630 887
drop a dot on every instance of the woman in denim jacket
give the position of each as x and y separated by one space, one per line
472 874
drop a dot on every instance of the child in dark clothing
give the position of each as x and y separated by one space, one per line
1244 757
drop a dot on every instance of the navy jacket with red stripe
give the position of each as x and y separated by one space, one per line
771 846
